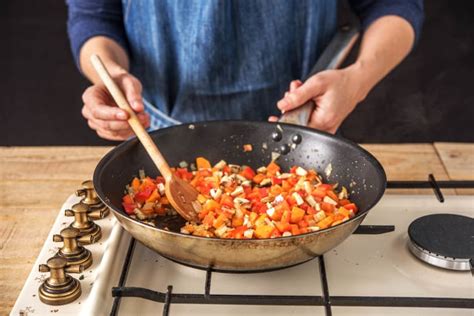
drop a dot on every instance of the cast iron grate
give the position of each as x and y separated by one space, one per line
326 300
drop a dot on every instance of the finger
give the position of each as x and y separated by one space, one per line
144 119
295 84
273 119
114 135
104 112
133 90
96 100
323 120
301 94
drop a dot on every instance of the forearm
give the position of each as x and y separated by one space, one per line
384 45
112 54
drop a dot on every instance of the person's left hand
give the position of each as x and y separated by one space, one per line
335 93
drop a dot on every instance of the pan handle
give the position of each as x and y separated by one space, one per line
331 58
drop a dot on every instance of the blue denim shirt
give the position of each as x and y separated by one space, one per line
220 59
211 60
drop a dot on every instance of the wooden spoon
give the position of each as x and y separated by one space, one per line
180 193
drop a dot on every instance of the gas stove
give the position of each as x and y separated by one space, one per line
375 271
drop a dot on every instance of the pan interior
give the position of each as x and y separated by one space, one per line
337 160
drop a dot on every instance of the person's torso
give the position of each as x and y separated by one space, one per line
224 59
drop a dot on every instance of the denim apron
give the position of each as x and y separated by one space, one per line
222 59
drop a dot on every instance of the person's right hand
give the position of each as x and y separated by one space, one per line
102 113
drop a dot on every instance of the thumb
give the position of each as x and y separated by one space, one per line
300 95
132 89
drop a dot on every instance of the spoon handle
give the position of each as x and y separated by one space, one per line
137 127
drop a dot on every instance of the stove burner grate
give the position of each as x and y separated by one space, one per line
443 240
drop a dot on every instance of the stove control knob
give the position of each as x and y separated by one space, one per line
59 288
72 250
89 232
98 210
88 193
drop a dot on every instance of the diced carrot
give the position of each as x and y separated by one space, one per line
325 186
211 205
154 196
201 198
237 221
253 217
324 223
277 214
209 219
272 168
310 211
343 211
247 147
295 229
318 193
286 185
339 217
136 184
297 214
258 178
226 200
261 219
238 232
219 221
332 195
276 189
283 227
202 163
263 231
285 218
327 207
302 224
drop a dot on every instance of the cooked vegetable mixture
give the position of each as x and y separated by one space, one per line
239 202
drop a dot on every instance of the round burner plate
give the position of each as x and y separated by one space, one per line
443 240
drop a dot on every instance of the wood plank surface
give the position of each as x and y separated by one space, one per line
409 162
35 181
458 159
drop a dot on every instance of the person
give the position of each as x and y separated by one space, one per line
181 61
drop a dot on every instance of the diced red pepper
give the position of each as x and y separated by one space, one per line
144 194
248 173
129 208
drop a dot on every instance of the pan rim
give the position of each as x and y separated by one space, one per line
106 159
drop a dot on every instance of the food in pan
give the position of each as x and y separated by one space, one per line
239 202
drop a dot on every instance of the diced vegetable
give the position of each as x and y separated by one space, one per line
238 202
202 163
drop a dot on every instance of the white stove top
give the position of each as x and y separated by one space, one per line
363 265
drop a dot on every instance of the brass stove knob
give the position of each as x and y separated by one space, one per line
97 209
88 192
60 288
72 251
89 232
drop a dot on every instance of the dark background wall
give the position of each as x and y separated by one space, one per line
430 97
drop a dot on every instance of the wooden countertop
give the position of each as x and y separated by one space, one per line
35 181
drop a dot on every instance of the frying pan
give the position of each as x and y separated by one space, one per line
345 163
